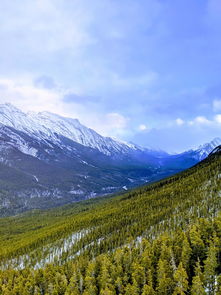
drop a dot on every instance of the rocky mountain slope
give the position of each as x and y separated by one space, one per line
48 160
49 126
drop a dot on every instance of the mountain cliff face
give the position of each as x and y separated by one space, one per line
48 160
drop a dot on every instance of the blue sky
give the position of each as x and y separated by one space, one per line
147 71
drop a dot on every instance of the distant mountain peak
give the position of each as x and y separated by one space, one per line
205 149
49 125
213 143
8 107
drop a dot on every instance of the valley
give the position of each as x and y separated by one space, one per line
162 238
47 160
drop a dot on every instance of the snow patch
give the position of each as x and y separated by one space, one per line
36 178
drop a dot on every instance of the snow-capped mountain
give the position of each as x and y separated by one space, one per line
46 125
204 150
48 160
191 157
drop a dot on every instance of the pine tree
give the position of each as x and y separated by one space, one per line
138 275
90 286
107 291
90 279
72 288
105 280
218 285
61 283
210 269
197 244
119 285
186 252
131 289
148 290
197 283
164 283
181 280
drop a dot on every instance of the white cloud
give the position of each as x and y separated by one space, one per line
116 120
113 124
218 118
142 127
203 121
200 120
73 41
45 26
29 96
179 122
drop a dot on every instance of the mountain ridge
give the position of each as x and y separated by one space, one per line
60 161
46 125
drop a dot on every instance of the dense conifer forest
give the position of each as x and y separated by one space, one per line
163 238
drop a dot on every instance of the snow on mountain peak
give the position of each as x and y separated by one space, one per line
205 149
210 145
74 130
216 141
48 125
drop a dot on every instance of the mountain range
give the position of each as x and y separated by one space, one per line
48 160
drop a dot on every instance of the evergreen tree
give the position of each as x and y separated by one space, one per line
138 275
197 283
164 283
181 280
131 289
218 285
148 290
186 253
72 288
210 269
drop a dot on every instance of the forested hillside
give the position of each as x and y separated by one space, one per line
164 238
186 262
